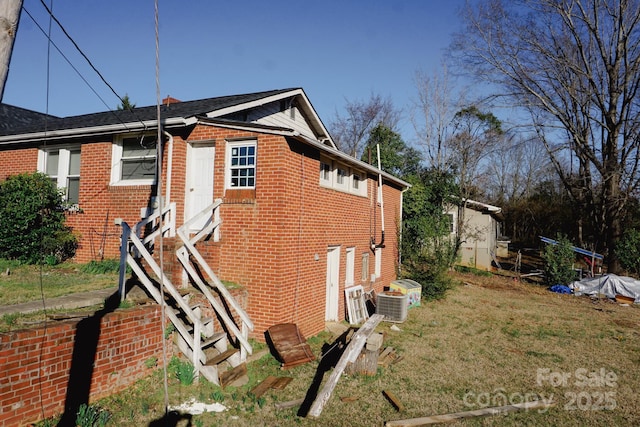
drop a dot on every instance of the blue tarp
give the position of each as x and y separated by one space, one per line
560 289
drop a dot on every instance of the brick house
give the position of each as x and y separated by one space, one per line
297 219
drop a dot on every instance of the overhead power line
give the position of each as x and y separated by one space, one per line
52 43
65 57
80 51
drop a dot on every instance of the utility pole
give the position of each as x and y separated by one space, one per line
9 17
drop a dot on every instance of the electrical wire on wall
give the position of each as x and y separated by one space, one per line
294 313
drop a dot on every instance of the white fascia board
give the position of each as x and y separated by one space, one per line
256 129
95 130
490 208
252 104
315 119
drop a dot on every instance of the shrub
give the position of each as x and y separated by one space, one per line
430 267
628 251
428 250
32 218
558 262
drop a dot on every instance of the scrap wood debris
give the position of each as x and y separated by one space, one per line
290 344
391 397
388 356
351 352
270 383
447 418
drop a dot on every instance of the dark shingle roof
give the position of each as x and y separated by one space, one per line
15 120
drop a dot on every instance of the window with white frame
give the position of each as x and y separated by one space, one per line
341 177
62 166
358 183
241 164
134 160
325 172
451 223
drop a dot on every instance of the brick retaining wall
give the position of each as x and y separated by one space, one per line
76 362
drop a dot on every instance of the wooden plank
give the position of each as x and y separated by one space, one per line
394 400
387 357
222 357
385 352
350 354
289 404
447 418
281 382
231 375
265 385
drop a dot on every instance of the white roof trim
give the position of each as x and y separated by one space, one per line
255 128
490 208
95 130
307 107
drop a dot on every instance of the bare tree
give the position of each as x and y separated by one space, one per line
575 66
514 167
474 137
351 130
432 114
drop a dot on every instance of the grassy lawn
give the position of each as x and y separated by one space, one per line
490 342
23 283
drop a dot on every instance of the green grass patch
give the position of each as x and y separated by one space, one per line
26 283
101 267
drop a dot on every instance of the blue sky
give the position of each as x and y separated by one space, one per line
335 50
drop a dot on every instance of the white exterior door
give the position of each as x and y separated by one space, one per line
333 275
200 159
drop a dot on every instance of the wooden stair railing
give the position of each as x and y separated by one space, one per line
188 254
195 334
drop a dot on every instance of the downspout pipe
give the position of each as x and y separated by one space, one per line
169 166
374 246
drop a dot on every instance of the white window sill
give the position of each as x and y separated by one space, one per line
132 182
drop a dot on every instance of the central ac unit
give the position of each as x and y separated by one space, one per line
393 305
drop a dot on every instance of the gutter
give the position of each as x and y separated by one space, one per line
92 131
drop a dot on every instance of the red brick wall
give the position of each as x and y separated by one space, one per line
36 364
14 162
269 237
268 243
